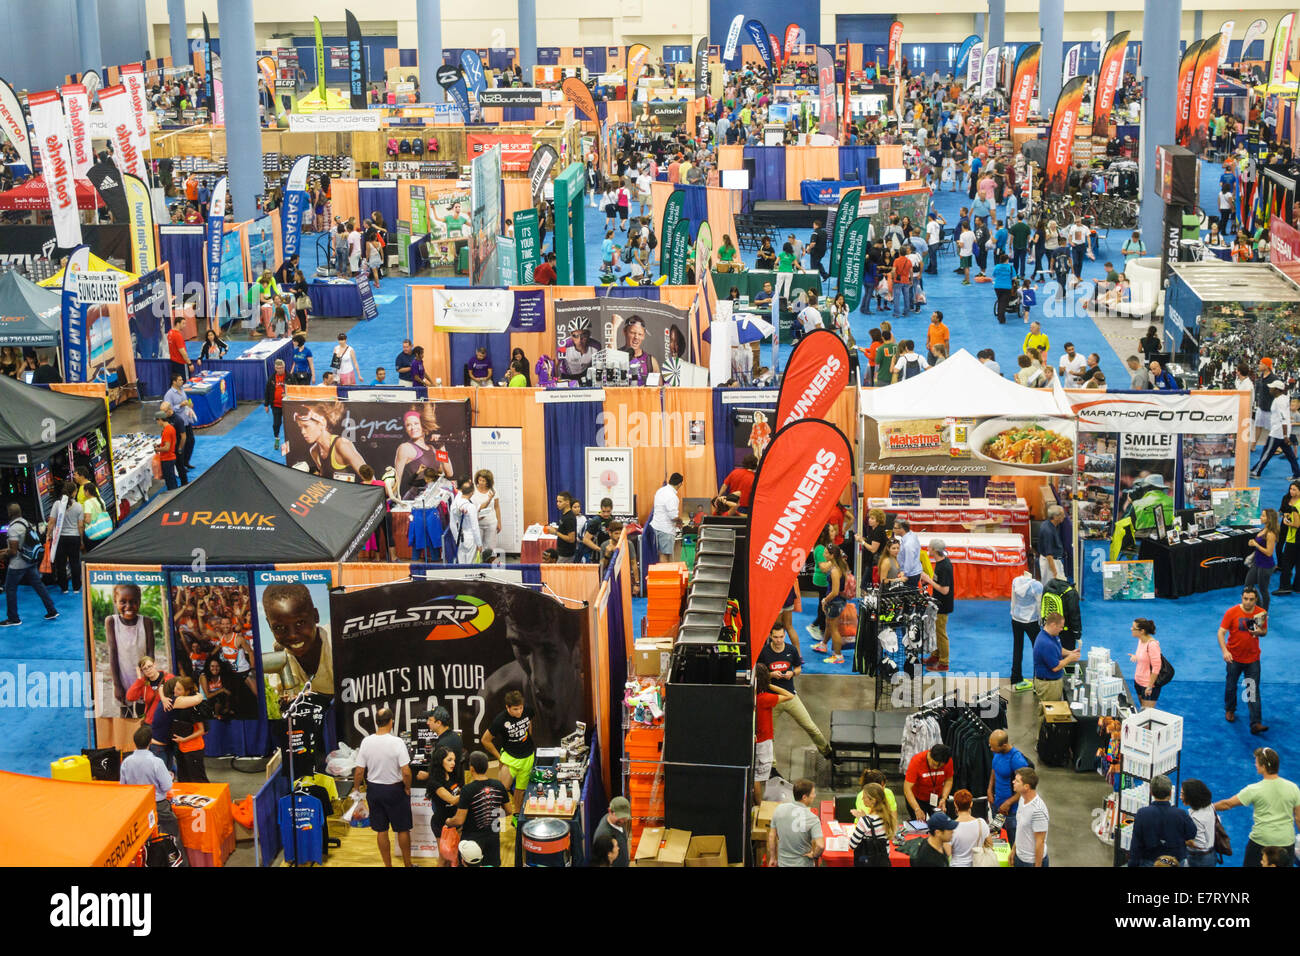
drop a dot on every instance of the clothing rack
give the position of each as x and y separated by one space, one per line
905 648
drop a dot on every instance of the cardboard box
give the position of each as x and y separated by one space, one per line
652 657
707 851
1058 712
662 847
763 820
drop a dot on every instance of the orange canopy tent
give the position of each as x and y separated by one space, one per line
66 823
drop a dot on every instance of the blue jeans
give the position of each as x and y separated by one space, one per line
1201 859
1076 259
901 295
1020 862
31 577
1250 671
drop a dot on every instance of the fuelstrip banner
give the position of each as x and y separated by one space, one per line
76 337
295 207
1022 85
139 217
1202 100
817 374
800 478
1108 77
15 124
1186 77
56 165
76 107
216 230
846 213
1060 144
356 63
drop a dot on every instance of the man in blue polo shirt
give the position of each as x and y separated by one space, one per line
1002 797
1050 661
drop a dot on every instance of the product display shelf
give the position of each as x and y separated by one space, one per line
642 769
1151 744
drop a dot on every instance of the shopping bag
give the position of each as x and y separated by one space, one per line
449 845
157 468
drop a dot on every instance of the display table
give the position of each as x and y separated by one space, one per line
1192 567
837 852
133 466
213 396
929 515
334 299
206 822
249 370
983 565
531 547
750 283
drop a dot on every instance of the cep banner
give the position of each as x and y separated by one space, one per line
1202 100
216 230
131 76
209 85
637 55
964 53
731 51
1070 69
853 258
107 180
674 207
702 68
1280 55
472 68
817 374
826 92
452 80
117 113
320 61
678 244
296 200
76 109
1186 76
56 165
846 213
1108 77
758 33
1060 143
974 65
15 124
139 209
356 63
1256 30
528 245
1022 85
539 169
895 42
76 337
801 476
989 71
463 645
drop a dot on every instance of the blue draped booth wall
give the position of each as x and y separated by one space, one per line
769 172
724 457
181 247
379 194
462 346
570 428
854 165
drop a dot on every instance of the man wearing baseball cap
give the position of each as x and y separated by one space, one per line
933 851
614 825
1279 431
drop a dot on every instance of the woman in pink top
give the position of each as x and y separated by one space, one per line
1147 659
987 187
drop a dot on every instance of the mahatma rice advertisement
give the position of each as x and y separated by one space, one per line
1001 445
461 645
293 621
414 443
127 623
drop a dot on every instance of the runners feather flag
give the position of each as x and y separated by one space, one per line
818 373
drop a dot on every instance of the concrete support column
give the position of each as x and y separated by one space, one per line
1196 24
528 38
997 23
243 131
979 25
1051 25
428 15
177 25
1160 18
90 46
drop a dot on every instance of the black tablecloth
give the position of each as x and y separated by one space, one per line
1195 567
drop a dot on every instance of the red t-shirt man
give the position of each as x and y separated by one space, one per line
928 782
176 346
544 274
167 443
741 482
1243 642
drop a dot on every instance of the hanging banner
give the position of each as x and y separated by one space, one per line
452 80
472 67
107 180
674 207
528 245
895 43
1022 84
1108 77
974 65
956 447
762 39
816 375
792 33
76 108
1060 142
296 201
139 205
56 165
459 644
1280 55
1202 100
76 337
320 62
964 53
1186 77
826 92
209 88
539 169
775 46
473 310
678 246
576 92
1206 413
15 124
989 72
1070 69
731 51
1225 31
1256 30
356 63
637 55
117 113
853 258
216 230
702 68
846 213
132 77
800 479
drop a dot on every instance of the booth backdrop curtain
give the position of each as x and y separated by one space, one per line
769 172
853 163
628 292
808 162
344 201
891 157
570 428
731 157
266 822
695 207
182 249
462 346
378 195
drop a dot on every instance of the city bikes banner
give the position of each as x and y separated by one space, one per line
800 479
459 644
1202 102
1060 142
1186 79
816 375
1022 85
1108 77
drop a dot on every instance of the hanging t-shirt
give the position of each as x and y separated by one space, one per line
514 735
304 818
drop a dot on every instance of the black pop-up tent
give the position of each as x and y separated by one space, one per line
35 422
246 510
30 315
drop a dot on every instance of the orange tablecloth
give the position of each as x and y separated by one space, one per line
207 825
531 548
983 565
956 519
844 857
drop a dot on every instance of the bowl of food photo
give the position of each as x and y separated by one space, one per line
1037 444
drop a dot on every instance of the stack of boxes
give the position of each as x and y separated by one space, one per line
1150 742
643 751
665 586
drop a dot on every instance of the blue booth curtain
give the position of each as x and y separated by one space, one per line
517 114
853 163
181 247
463 345
724 449
695 207
499 58
570 428
380 195
769 172
629 292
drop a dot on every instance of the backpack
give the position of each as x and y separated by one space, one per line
627 253
404 146
392 147
31 547
417 147
912 368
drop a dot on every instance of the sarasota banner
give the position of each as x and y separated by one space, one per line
1108 77
296 200
815 376
56 165
1060 143
801 477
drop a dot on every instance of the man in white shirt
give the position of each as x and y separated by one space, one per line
354 248
1031 819
1071 365
666 517
809 318
1078 237
909 362
1026 608
464 525
142 767
933 236
1279 431
643 191
383 773
965 252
